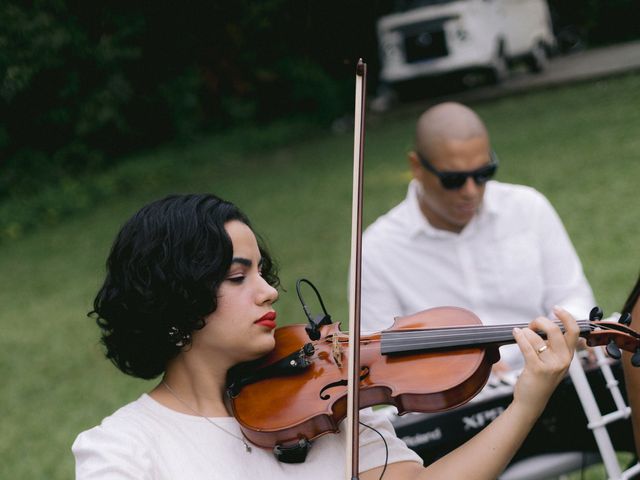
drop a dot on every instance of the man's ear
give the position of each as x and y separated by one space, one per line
414 164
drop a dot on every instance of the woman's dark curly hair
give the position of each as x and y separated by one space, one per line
163 274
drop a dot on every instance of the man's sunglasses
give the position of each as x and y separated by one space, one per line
455 180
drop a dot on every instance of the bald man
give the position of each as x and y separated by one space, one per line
459 238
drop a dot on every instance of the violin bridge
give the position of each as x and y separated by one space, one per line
337 351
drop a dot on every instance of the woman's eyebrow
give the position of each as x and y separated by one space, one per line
242 261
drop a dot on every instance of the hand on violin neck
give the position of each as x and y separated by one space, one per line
546 361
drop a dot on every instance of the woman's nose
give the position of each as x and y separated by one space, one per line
268 294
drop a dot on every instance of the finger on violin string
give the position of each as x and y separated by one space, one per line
526 338
555 339
571 328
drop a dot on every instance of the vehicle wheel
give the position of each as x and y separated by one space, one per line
570 39
473 78
500 66
537 60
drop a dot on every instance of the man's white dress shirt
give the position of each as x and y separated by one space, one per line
513 262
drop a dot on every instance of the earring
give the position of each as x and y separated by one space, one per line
178 338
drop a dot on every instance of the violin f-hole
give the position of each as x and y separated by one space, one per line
364 373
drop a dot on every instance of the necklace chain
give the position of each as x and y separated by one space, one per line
175 395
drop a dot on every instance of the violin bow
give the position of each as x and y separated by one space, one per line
353 377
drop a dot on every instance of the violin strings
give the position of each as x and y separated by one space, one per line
471 328
426 334
469 335
444 336
494 330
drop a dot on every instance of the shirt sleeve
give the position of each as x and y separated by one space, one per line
373 450
107 452
565 283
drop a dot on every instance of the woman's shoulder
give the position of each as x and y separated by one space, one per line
127 417
119 442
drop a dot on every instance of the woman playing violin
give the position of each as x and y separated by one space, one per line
189 294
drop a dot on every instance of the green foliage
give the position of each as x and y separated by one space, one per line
83 83
60 91
614 21
596 22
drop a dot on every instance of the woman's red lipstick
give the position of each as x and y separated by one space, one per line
267 320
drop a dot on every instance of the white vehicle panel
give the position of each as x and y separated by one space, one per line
458 35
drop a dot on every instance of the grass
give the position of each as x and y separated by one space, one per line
578 145
598 472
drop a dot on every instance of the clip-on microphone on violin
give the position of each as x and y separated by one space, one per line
313 329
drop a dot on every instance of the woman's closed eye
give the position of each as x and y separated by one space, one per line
236 278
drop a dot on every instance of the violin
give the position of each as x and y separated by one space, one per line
430 361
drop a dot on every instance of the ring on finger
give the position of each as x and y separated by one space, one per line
542 348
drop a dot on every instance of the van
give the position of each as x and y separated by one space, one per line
434 37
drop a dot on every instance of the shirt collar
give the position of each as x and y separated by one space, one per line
418 223
490 205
